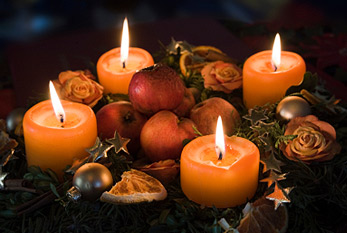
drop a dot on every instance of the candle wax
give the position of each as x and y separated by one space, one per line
52 144
262 84
222 183
113 77
133 63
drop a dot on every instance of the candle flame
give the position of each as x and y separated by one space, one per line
220 144
58 108
124 48
276 52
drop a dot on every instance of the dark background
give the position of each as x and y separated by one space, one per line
29 19
23 21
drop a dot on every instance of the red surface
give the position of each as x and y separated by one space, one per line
7 102
33 65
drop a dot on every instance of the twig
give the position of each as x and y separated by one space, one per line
19 185
38 202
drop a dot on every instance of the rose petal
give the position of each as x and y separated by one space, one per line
326 127
78 86
66 75
222 76
315 141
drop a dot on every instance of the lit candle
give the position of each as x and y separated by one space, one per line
116 67
268 74
220 171
56 133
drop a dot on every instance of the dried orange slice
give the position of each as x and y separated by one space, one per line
201 55
135 187
261 217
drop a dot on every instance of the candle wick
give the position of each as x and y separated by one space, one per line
274 66
61 118
220 157
123 64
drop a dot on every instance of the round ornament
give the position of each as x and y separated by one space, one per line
89 182
291 107
14 118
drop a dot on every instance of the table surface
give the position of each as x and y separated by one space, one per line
32 65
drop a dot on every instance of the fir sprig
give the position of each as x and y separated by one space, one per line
318 201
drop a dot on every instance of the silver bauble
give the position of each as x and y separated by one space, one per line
90 181
14 118
291 107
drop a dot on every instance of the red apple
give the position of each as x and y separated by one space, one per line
121 116
156 88
186 105
163 134
205 115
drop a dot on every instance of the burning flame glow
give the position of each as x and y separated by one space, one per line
58 108
124 48
276 52
220 144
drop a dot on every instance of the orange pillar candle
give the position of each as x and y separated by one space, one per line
49 143
225 182
266 77
116 67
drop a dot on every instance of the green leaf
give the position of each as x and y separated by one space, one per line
35 170
53 175
54 190
163 215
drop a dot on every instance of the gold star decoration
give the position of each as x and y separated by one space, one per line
267 142
75 165
255 116
273 178
263 126
98 150
2 178
271 163
119 143
176 47
279 195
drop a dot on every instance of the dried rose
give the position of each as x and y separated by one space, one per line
79 86
315 141
222 76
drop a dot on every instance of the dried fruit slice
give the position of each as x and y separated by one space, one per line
135 187
261 217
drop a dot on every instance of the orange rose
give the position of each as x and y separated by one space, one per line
222 76
315 140
79 86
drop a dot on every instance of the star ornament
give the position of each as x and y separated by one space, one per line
98 150
273 178
75 165
119 143
271 163
256 116
279 195
267 142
